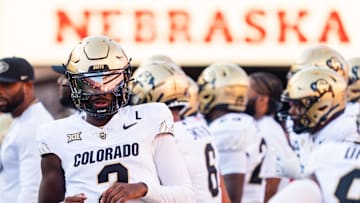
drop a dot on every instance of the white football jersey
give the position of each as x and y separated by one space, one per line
240 150
275 139
337 168
340 129
302 145
124 150
201 157
20 173
353 111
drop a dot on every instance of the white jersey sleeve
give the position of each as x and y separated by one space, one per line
173 186
173 174
136 145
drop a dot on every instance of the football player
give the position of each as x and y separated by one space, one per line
317 100
223 91
263 104
328 58
164 81
118 152
19 158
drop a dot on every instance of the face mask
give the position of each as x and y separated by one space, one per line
250 106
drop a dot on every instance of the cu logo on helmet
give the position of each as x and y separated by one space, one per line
335 64
146 78
321 86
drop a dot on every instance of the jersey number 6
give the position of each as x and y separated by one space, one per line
212 171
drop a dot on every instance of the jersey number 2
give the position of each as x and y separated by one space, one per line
118 169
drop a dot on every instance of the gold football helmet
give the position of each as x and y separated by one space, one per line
160 82
159 58
98 66
354 80
321 56
223 85
319 92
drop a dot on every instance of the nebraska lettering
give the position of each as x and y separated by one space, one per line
251 27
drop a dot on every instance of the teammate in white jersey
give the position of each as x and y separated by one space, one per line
223 97
328 58
164 81
317 99
335 167
118 153
263 104
19 158
343 167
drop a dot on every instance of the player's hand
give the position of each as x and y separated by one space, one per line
120 192
78 198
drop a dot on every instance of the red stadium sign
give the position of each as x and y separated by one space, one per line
192 32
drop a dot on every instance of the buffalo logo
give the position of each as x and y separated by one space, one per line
146 79
102 135
73 137
321 86
3 67
335 65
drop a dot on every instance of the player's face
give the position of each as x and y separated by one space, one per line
101 101
296 111
11 96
